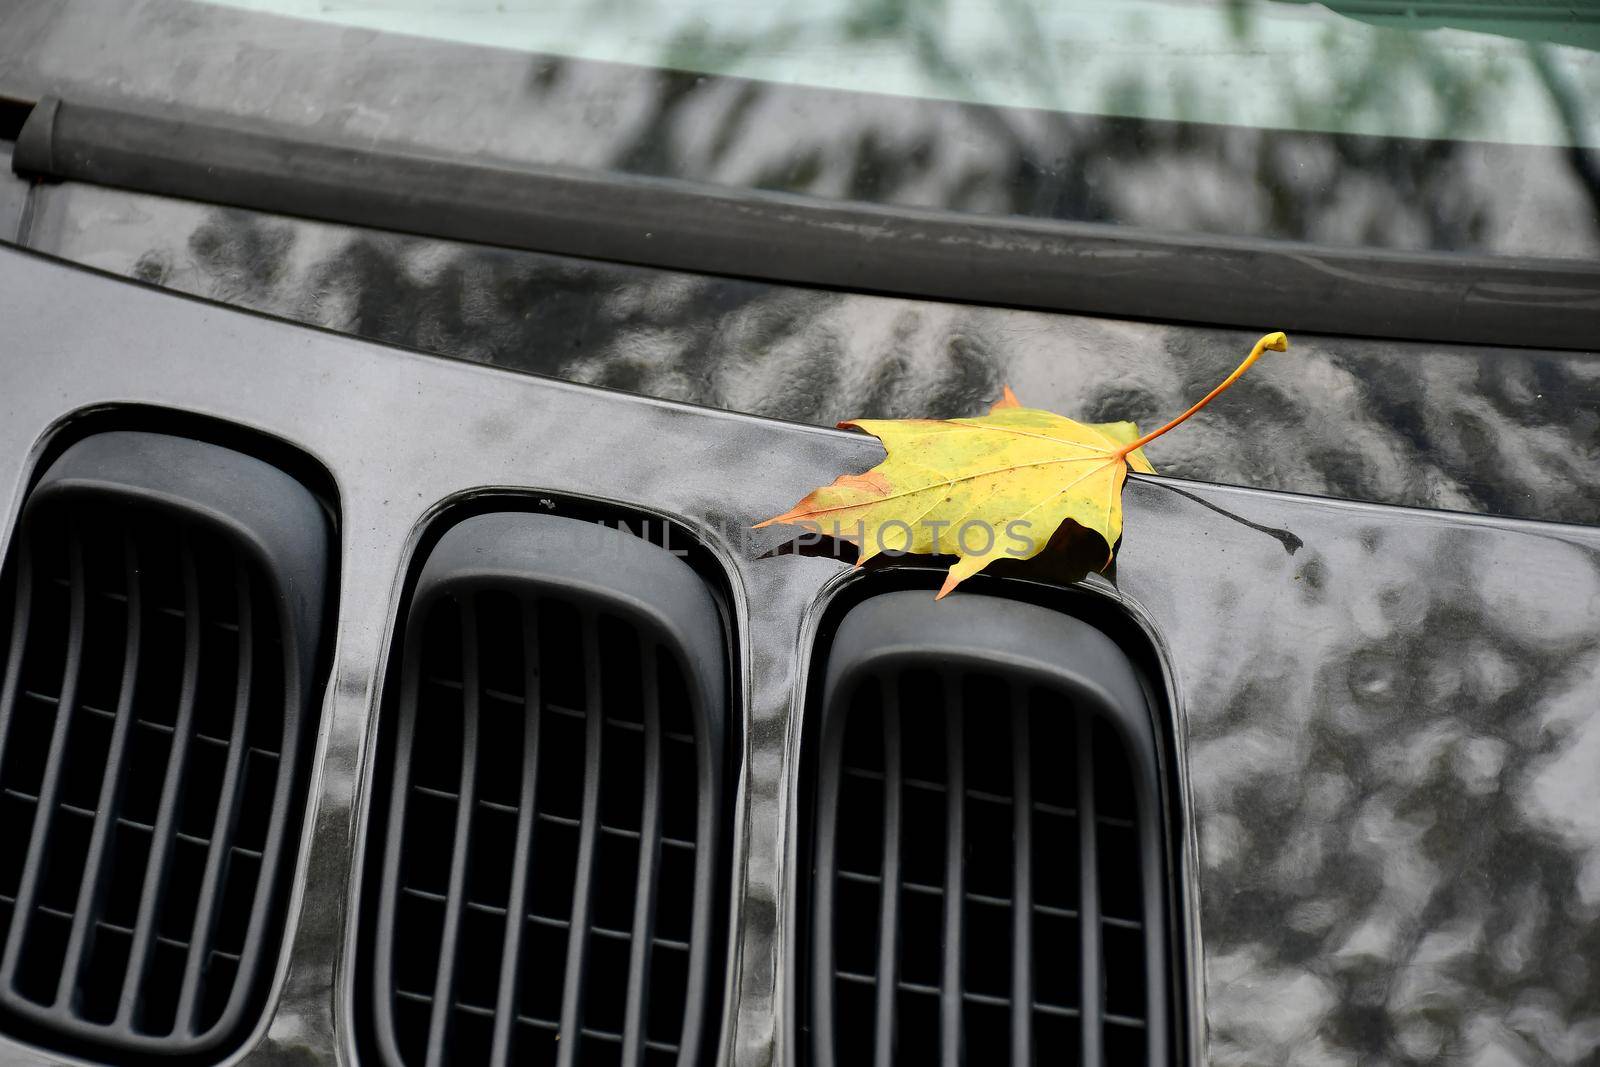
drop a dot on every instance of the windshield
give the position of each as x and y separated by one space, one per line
1467 126
1455 126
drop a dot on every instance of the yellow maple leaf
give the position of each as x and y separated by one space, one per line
987 488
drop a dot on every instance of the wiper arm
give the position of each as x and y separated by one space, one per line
1009 261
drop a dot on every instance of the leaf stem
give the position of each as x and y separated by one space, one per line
1277 342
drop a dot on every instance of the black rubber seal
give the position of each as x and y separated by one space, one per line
1082 267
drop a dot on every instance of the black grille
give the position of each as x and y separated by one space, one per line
554 808
987 859
150 727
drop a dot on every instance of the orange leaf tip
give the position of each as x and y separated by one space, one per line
1008 399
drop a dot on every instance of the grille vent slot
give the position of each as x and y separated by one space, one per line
988 857
554 809
152 717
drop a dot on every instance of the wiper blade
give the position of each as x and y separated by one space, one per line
1008 261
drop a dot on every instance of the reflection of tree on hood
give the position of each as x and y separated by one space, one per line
1443 426
1390 796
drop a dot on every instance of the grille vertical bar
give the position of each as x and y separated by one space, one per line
455 896
1021 881
517 905
582 908
154 883
222 827
991 827
1090 972
634 1036
403 806
826 910
589 829
49 789
147 768
887 974
951 1000
19 579
16 584
110 788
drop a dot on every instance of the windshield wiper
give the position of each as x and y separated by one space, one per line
1009 261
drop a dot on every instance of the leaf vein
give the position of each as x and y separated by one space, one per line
963 478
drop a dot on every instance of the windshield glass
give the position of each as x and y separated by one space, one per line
1458 71
1469 126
